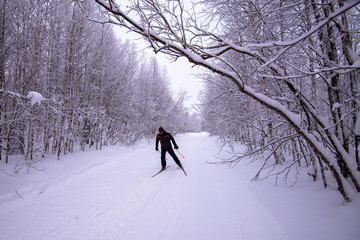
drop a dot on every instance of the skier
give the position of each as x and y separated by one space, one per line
164 138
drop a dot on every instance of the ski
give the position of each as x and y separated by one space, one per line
160 171
183 171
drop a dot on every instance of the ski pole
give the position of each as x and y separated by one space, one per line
180 153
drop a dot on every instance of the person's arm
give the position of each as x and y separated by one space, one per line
157 143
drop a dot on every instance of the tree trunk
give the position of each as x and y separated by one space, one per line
357 151
2 74
322 172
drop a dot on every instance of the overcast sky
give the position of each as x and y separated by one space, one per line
181 73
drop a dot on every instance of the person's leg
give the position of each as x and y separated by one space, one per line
163 162
173 155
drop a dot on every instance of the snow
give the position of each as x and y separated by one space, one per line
356 63
110 194
357 125
355 58
35 97
336 106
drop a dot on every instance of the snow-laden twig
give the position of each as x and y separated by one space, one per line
338 12
18 194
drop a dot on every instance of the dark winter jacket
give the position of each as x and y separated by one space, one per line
164 139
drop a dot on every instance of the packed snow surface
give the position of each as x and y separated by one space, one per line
109 194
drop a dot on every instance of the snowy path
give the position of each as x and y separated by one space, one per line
114 197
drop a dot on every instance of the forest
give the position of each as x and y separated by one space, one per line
281 77
97 89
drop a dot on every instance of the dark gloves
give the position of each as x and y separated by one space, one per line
176 147
156 149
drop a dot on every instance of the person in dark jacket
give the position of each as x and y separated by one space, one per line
164 138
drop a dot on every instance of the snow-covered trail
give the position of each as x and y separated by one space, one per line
114 197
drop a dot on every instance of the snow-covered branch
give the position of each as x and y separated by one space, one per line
32 96
266 60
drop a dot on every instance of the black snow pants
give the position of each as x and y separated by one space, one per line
172 154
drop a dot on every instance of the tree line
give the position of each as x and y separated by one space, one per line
97 89
315 76
283 76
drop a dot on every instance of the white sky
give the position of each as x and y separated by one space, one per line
182 76
181 73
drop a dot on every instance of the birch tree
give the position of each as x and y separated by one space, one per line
4 19
87 77
172 30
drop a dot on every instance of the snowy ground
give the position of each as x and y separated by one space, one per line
110 194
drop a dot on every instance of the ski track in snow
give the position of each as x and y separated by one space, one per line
118 199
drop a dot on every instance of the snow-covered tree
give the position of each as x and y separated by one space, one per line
90 80
272 52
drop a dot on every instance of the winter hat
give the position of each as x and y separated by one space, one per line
161 129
